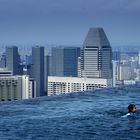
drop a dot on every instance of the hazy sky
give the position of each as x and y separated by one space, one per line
66 22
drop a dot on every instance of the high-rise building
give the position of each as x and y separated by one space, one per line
37 69
13 60
65 61
96 55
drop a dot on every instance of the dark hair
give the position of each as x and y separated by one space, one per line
130 107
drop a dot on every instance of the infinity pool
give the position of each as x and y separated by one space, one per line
81 116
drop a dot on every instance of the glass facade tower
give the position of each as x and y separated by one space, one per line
37 69
65 61
13 60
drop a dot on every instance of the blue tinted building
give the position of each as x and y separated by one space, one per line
13 60
116 55
37 69
65 61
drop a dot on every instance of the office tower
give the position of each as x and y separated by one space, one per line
65 61
37 69
96 55
13 60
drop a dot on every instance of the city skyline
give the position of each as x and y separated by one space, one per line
64 22
47 73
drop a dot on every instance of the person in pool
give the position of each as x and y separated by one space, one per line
131 112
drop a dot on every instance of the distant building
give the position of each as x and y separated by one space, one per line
96 55
124 72
58 85
37 69
14 88
65 61
116 55
124 57
3 61
13 60
114 64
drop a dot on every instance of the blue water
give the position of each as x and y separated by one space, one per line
82 116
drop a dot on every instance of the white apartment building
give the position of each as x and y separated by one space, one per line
58 85
14 88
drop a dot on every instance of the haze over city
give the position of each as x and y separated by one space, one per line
66 22
69 69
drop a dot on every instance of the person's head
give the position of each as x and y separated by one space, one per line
132 108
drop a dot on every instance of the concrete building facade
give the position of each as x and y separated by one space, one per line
58 85
14 88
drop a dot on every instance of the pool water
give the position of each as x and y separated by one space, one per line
93 115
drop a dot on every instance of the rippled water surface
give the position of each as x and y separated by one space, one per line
82 116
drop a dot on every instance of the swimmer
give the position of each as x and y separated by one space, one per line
131 112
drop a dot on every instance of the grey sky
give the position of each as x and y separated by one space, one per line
68 21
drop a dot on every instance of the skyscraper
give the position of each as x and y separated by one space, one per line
46 72
96 55
37 69
13 60
65 61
